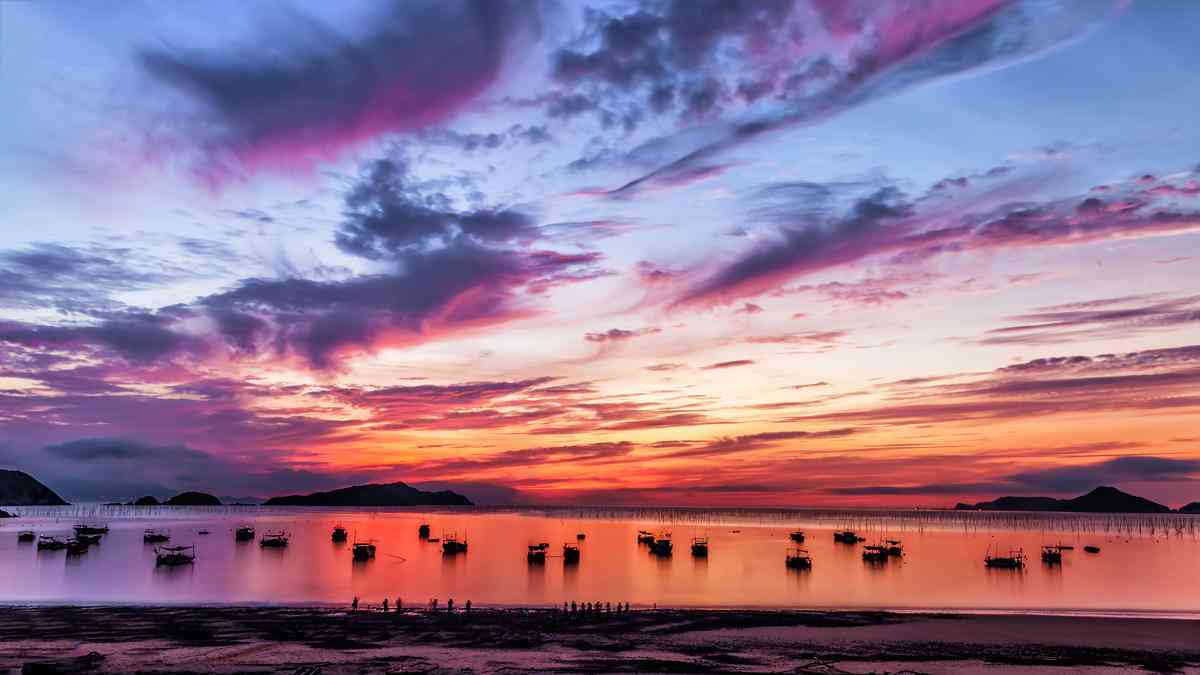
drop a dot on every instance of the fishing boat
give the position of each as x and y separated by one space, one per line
423 531
50 543
278 539
662 545
88 539
894 548
1015 559
91 529
1091 549
580 537
76 547
700 547
26 536
339 533
364 550
644 537
244 533
1051 555
537 553
155 537
847 537
570 554
797 536
174 556
875 553
202 533
452 545
798 559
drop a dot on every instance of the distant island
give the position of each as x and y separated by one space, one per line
1194 507
374 494
18 488
1103 499
192 499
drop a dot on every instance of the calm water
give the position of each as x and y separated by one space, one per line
1147 564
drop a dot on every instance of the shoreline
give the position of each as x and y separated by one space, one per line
227 639
1064 612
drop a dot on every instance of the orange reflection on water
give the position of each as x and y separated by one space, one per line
940 569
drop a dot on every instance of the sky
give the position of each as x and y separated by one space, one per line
700 252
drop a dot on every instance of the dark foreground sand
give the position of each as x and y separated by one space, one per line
316 640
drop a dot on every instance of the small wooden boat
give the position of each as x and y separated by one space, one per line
91 529
570 554
49 543
339 533
894 548
26 536
244 533
1051 555
798 559
202 533
364 550
173 556
877 553
423 531
662 545
1091 549
451 545
88 539
278 539
1015 560
644 537
847 537
797 536
76 547
537 553
580 537
155 537
700 547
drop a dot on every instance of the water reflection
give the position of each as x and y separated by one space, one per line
940 569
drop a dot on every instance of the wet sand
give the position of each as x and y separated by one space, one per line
119 639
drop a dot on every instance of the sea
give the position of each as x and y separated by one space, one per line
1148 565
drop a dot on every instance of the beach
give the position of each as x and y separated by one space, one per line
274 639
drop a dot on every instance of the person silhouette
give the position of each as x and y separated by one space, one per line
385 605
354 604
450 605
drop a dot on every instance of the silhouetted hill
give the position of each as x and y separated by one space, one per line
1194 507
145 501
192 499
1100 500
18 488
374 494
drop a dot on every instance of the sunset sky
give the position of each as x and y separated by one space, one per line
695 252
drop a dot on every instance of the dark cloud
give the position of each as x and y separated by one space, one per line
812 228
307 91
134 337
728 364
73 279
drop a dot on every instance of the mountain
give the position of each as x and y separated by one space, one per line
1103 499
1111 500
145 501
1194 507
374 494
18 488
192 499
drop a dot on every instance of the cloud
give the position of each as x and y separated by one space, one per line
773 66
619 334
728 364
99 449
812 228
314 92
1108 318
71 279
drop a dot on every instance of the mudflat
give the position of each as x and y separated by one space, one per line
228 639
